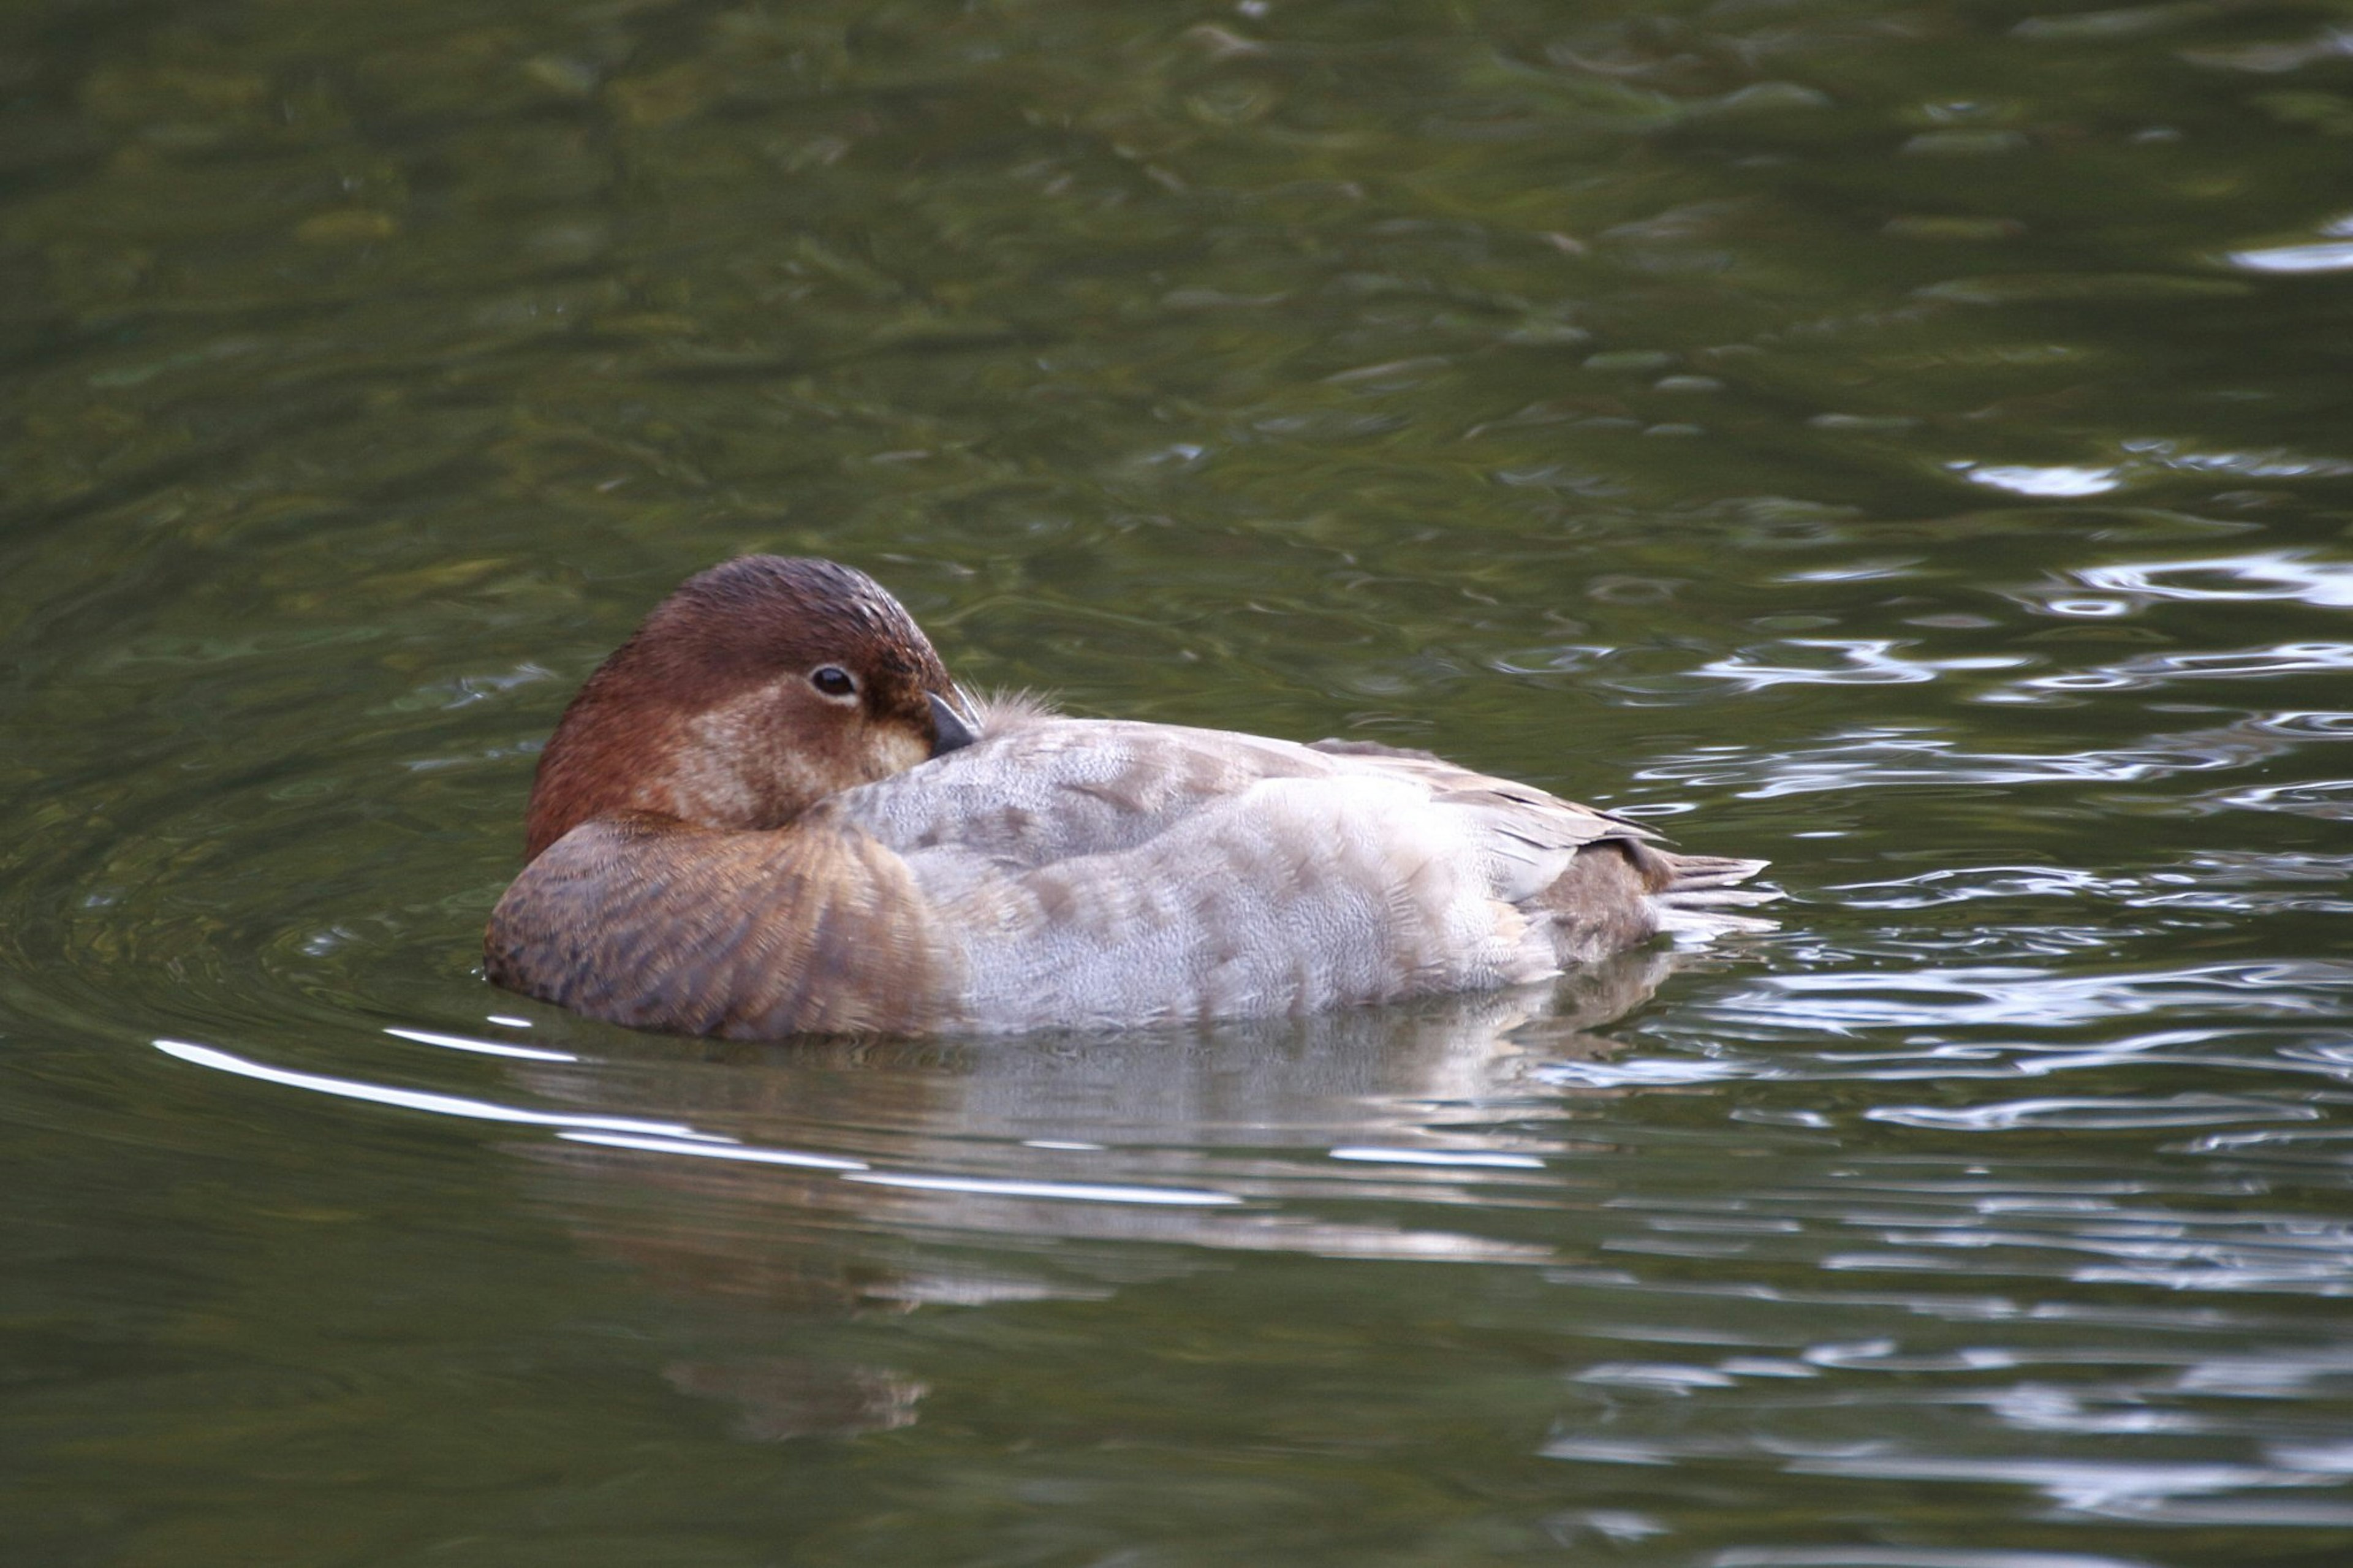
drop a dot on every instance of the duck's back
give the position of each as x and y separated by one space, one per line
1078 872
1096 871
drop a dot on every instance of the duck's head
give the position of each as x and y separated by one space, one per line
755 690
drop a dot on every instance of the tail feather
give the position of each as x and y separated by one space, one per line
1695 904
1693 871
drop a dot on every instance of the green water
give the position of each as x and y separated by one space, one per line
1906 441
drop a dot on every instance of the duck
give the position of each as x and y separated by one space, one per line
771 812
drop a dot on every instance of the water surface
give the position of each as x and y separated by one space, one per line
1903 441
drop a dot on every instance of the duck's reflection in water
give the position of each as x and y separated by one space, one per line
1067 1165
779 1397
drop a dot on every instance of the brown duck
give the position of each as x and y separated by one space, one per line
771 811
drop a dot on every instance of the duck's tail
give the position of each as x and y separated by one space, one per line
1702 891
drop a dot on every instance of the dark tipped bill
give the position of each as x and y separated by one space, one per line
951 730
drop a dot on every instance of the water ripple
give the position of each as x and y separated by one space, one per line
2144 672
2100 1115
1846 1003
1836 661
2074 1486
1909 1557
1891 757
2254 577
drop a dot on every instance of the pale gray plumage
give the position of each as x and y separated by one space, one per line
1093 871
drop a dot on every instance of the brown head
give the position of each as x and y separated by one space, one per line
755 690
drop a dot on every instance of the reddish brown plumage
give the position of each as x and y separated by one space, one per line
740 641
645 921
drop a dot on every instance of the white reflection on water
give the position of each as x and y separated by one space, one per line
2052 1407
2109 591
2331 799
1908 1557
1893 755
2126 1386
482 1047
1075 1191
1858 662
2147 457
1641 1073
2143 672
2047 481
673 1137
2228 880
2324 256
458 1106
2254 577
2180 1110
2074 1484
2271 463
1916 999
1438 1157
716 1151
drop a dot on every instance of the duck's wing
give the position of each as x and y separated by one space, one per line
1040 790
1107 871
1453 779
1534 836
1602 903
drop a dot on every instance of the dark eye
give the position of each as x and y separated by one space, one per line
834 680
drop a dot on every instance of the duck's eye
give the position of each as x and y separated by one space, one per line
833 680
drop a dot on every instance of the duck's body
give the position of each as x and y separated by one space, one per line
1049 871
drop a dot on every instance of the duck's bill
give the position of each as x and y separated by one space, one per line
951 730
